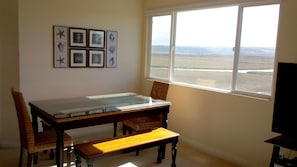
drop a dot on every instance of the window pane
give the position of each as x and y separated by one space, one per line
204 47
160 47
257 49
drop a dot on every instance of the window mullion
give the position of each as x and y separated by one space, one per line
237 48
148 46
172 46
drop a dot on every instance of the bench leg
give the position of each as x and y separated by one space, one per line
137 152
163 147
159 158
174 151
90 163
161 153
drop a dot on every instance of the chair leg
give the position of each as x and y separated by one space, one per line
130 130
115 126
124 129
52 154
68 156
78 161
21 156
35 158
30 160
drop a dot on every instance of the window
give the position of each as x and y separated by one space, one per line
224 48
257 49
204 47
160 53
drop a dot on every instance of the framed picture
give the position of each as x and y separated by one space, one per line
78 58
97 38
96 58
111 49
78 37
60 46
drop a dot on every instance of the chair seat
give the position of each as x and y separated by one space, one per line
143 123
47 140
159 91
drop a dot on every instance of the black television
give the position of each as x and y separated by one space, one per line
285 100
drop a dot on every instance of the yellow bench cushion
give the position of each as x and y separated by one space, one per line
93 149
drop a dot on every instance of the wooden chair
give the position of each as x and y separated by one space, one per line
47 126
34 142
159 91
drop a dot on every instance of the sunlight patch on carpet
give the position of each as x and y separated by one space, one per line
129 164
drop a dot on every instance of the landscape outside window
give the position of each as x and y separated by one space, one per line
214 48
257 49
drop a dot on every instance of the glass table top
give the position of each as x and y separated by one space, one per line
70 107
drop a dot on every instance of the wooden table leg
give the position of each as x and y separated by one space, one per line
60 147
164 125
34 121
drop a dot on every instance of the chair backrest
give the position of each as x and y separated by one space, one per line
25 124
159 90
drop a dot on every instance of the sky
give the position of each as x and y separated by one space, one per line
217 27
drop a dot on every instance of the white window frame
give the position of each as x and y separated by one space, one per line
173 13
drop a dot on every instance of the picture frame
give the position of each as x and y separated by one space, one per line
111 49
60 35
78 37
96 58
78 58
96 38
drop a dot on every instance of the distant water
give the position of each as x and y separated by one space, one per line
223 51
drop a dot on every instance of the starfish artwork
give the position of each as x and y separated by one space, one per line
60 33
61 60
60 46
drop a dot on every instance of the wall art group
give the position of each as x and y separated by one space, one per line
81 47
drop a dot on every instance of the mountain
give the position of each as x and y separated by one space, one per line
222 51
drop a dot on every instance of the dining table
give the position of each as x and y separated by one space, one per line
77 112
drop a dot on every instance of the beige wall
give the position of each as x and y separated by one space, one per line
38 78
9 75
231 126
227 125
26 35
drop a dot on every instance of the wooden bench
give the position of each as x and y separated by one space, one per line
159 137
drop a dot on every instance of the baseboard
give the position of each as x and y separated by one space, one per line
8 144
228 157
